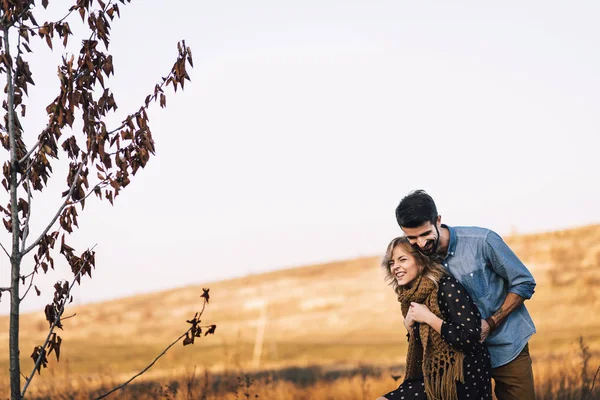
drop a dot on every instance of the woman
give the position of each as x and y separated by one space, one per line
445 359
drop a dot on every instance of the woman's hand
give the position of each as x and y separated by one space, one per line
421 314
409 322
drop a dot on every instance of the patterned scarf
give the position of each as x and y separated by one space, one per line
440 365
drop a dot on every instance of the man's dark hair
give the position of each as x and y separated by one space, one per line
415 209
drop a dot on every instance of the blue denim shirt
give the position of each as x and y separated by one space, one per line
480 260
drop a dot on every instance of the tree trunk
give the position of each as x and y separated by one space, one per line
15 366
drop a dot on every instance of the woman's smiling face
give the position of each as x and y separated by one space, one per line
403 266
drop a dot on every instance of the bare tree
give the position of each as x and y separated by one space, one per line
102 159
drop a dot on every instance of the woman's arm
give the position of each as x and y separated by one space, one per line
420 313
462 321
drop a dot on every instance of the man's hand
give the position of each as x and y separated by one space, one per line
485 330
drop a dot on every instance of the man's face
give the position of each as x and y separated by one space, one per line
425 237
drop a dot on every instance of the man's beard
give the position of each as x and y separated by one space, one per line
432 246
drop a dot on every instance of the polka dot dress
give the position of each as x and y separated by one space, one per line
461 329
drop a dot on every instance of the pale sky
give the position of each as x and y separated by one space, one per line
307 121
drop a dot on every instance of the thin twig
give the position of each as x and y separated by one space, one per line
30 152
153 362
594 381
99 185
59 21
144 107
31 273
25 174
3 248
70 316
145 369
5 289
29 288
60 210
28 218
124 124
203 307
56 321
120 127
18 18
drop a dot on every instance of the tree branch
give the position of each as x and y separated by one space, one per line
29 153
18 18
145 369
26 224
594 381
5 289
75 77
62 207
99 185
151 97
56 321
29 274
30 285
25 174
70 316
3 248
153 362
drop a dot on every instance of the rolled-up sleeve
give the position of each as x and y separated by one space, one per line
506 264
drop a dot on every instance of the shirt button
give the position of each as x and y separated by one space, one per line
445 264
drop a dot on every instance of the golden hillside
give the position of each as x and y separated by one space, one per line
335 313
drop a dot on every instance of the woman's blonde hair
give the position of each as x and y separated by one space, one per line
427 267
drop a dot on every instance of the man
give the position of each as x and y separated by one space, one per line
495 278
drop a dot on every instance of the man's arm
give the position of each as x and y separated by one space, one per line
511 302
521 284
506 264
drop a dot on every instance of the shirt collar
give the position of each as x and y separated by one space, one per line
452 244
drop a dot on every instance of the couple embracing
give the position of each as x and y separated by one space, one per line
461 291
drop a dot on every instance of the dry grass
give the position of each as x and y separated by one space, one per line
557 378
336 314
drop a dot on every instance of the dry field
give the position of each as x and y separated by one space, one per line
330 331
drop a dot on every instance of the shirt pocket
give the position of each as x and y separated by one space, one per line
476 284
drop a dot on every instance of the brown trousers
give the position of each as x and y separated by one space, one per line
514 381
